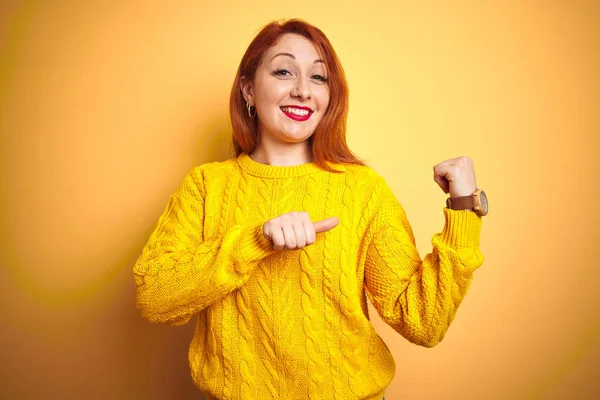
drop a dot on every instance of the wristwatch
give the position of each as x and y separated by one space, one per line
477 202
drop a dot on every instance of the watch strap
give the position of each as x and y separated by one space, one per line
460 203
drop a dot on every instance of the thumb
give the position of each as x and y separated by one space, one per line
326 224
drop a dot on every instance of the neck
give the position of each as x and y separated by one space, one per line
283 156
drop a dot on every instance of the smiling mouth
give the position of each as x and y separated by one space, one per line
297 114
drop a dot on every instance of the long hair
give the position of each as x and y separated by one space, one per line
328 142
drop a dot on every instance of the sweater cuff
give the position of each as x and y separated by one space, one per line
462 228
253 246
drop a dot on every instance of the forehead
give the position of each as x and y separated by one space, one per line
302 48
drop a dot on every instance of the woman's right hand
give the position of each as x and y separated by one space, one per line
295 230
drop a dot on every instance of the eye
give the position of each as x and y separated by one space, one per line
320 78
281 72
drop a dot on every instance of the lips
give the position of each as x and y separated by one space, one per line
297 113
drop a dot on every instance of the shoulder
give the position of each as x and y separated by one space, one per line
213 169
199 176
359 172
366 176
377 190
368 186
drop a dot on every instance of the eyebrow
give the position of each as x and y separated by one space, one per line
292 56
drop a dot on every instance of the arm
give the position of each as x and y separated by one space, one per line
179 273
419 298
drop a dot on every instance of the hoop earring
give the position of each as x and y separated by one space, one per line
249 107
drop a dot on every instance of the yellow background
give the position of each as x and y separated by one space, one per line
104 106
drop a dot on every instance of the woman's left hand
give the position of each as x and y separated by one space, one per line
456 176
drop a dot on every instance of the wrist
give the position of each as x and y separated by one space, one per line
476 202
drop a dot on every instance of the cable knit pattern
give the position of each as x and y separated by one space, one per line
246 358
377 364
267 336
264 278
351 348
360 184
227 334
292 324
285 324
311 287
332 300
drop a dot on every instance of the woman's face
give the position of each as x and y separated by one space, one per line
289 90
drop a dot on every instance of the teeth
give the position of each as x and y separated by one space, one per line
295 111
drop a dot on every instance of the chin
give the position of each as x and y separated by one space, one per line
294 136
300 138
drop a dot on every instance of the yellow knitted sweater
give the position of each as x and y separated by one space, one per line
294 324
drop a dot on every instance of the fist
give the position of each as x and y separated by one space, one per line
295 230
456 176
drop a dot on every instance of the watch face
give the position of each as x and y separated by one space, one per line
484 201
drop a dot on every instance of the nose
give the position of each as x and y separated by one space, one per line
301 88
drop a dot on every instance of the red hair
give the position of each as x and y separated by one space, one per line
328 142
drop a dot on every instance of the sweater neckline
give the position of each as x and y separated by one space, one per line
275 171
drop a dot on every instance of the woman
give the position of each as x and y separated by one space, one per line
277 249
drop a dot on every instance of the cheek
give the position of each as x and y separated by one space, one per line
270 100
323 99
274 89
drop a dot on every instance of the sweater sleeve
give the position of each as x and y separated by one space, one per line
418 297
179 273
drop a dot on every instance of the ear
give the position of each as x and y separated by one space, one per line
246 88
